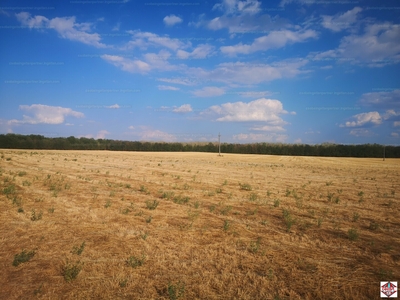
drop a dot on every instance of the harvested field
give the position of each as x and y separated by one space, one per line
140 225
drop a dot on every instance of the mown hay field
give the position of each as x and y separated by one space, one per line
140 225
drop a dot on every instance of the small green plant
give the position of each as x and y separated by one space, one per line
78 250
176 291
23 257
319 222
225 182
353 234
26 183
128 186
337 200
181 200
328 183
212 208
71 270
126 211
135 262
167 195
253 197
330 196
356 216
143 189
373 226
287 192
20 210
123 283
152 204
51 210
360 193
148 219
226 210
245 187
36 217
287 217
108 204
21 173
196 204
254 246
218 190
276 203
227 225
144 236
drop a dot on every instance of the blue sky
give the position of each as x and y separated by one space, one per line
290 71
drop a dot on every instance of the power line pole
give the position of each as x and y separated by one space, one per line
219 144
384 152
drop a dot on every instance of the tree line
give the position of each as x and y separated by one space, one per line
17 141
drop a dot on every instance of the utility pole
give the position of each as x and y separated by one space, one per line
384 152
219 144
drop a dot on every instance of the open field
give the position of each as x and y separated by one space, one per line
140 225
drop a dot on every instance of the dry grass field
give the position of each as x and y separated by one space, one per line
133 225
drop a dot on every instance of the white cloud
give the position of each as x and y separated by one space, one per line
148 134
116 27
360 132
132 66
44 114
201 51
167 88
390 113
261 110
171 20
364 118
377 47
381 99
268 128
146 39
274 40
394 134
209 91
114 106
185 108
102 134
236 6
131 127
343 21
66 27
182 81
396 123
248 73
259 137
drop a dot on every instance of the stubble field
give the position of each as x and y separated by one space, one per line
140 225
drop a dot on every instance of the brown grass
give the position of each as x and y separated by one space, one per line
235 245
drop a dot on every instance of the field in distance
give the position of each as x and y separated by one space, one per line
141 225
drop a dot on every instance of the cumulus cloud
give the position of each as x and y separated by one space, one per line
102 134
364 118
167 88
263 110
45 114
343 21
209 91
66 27
274 40
394 134
185 108
172 20
148 134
